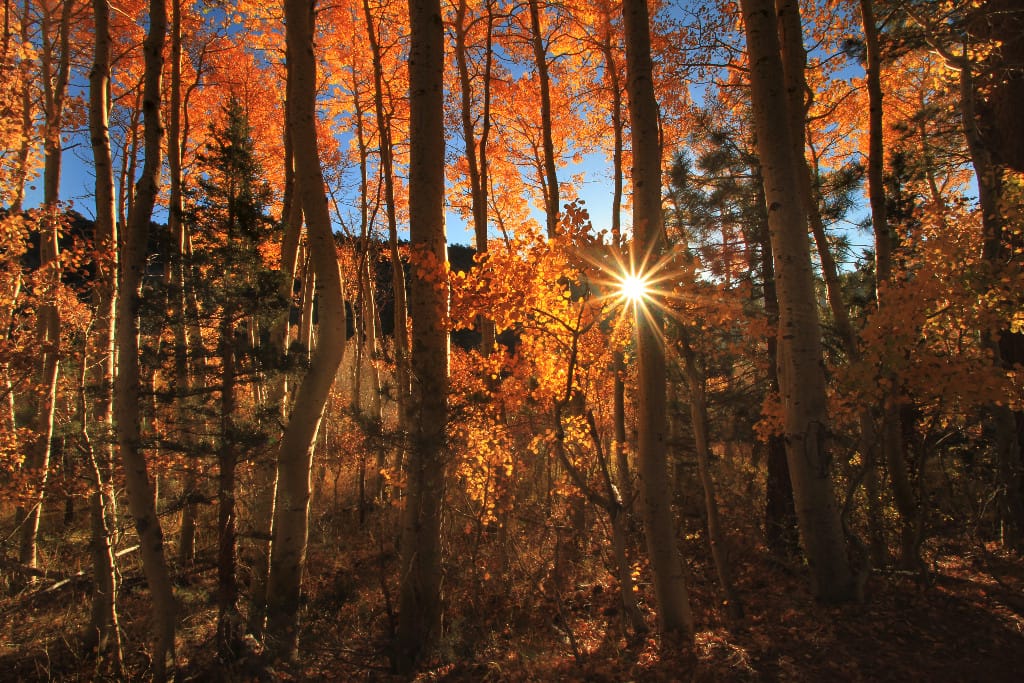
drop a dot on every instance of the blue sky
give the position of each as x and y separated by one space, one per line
595 191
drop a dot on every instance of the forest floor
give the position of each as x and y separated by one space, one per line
965 623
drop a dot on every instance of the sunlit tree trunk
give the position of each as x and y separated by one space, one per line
56 69
291 511
801 369
794 65
550 176
265 468
884 246
175 278
103 634
127 387
386 149
476 153
674 614
419 618
622 469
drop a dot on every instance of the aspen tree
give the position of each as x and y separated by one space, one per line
419 618
103 634
550 177
127 386
476 151
55 60
674 613
291 510
801 367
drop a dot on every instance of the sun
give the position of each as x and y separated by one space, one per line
634 288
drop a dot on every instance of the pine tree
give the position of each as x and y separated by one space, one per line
241 297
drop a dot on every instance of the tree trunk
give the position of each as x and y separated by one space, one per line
674 615
102 637
716 536
477 164
801 370
129 152
989 175
419 618
622 469
55 83
550 177
401 314
307 337
265 467
291 512
175 279
794 63
884 245
103 634
633 616
876 150
228 621
370 312
780 525
27 125
127 388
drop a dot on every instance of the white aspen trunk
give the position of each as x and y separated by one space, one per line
265 468
674 615
103 634
291 511
127 387
55 84
801 369
550 175
419 617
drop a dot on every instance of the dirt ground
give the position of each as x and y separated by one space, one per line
965 622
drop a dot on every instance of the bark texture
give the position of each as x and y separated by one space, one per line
291 512
127 387
801 369
55 62
103 635
674 613
549 180
419 618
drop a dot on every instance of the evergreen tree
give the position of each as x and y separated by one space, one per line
233 228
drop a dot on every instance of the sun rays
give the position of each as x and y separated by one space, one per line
638 290
633 288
